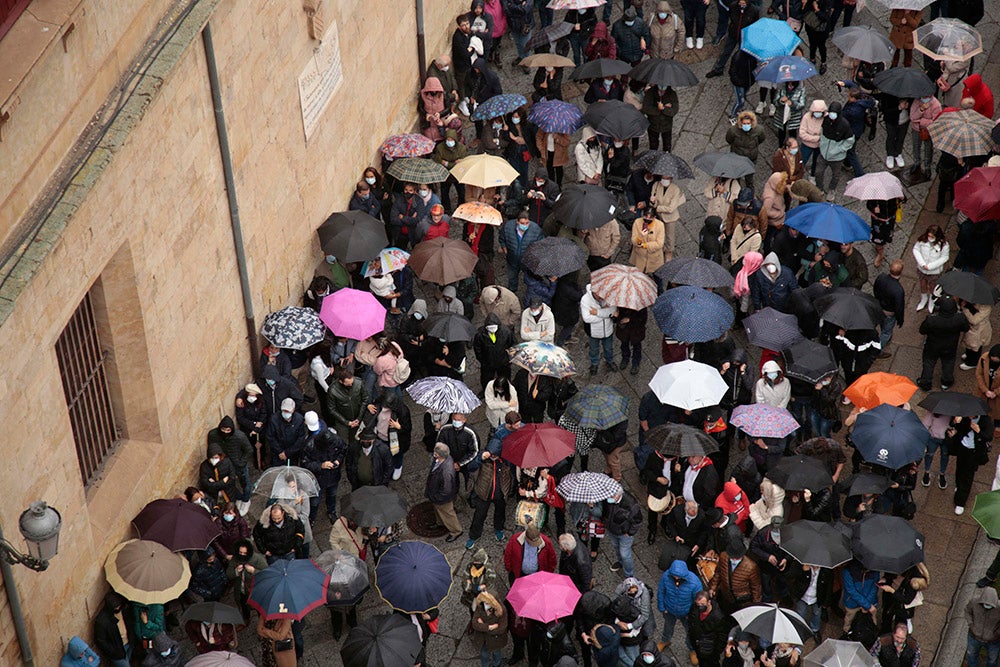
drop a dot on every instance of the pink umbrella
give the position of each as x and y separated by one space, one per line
543 596
353 314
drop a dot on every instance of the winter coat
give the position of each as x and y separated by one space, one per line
513 554
931 255
286 437
503 303
601 324
668 201
577 565
519 15
777 395
666 35
327 446
493 479
739 587
718 203
676 598
739 19
633 331
743 242
811 128
600 44
589 162
624 517
890 295
208 579
560 156
381 460
493 355
746 143
604 240
250 414
236 446
792 165
944 327
984 384
772 290
984 624
482 636
231 532
538 287
860 590
442 482
976 88
922 115
272 397
648 256
485 84
733 500
773 198
78 654
498 407
344 405
627 39
789 117
162 643
708 635
832 150
279 540
904 22
770 504
107 636
980 333
210 478
693 534
564 303
516 245
660 120
544 329
281 630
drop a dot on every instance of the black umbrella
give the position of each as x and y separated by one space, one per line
452 327
681 440
772 330
662 163
969 287
353 236
625 122
725 165
816 543
796 473
213 612
954 404
600 68
809 361
374 506
663 73
549 34
386 639
554 256
584 206
602 109
889 436
850 308
885 543
870 483
905 82
695 271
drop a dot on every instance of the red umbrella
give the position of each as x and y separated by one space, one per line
977 194
538 445
543 596
176 524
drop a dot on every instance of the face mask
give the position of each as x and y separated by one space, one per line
370 180
745 127
445 68
252 398
538 183
424 193
535 312
228 517
987 606
612 501
735 561
286 415
744 645
925 100
701 608
408 195
817 114
550 70
648 659
775 535
418 316
270 383
931 239
458 423
662 15
214 461
825 382
738 496
515 120
523 228
550 634
608 82
772 375
497 126
833 115
666 182
166 653
492 328
619 144
629 22
450 143
793 151
366 196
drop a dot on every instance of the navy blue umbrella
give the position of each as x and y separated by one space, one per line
692 314
784 69
288 589
830 222
889 436
772 329
413 577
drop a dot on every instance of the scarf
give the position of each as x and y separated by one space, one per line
746 653
751 262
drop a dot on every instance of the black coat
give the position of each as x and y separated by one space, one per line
442 483
944 327
107 637
210 478
532 408
283 388
798 582
381 464
236 445
250 414
708 636
405 431
484 84
695 533
279 540
654 469
288 437
493 356
891 296
578 566
707 486
566 301
624 517
327 446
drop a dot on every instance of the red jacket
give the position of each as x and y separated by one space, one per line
513 553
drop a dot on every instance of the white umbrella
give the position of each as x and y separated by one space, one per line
773 623
688 385
906 4
839 653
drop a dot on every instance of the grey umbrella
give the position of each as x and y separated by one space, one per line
554 256
662 163
839 653
695 271
452 327
864 43
353 236
348 577
600 68
724 165
663 73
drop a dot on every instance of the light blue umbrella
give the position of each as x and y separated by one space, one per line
769 38
784 69
829 222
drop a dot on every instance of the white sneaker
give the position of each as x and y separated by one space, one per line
959 509
930 305
699 43
243 506
463 107
397 473
689 42
771 109
759 109
899 161
924 298
888 162
965 367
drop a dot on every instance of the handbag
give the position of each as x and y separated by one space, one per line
590 527
530 512
393 442
282 645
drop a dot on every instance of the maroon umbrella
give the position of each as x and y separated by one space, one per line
538 445
176 524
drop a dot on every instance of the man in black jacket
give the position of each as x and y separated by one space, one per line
707 629
942 329
765 548
286 434
741 14
279 534
892 298
575 562
113 631
701 481
369 463
688 525
441 489
324 457
899 649
217 477
622 520
237 448
490 345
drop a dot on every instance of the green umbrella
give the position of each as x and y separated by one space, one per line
598 406
986 511
418 170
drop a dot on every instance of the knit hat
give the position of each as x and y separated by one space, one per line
288 405
533 536
312 419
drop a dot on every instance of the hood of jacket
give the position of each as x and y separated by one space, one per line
973 85
987 595
750 117
586 134
713 224
265 516
215 449
664 6
805 190
163 642
419 306
678 569
836 129
492 318
601 30
947 307
480 557
76 647
432 85
772 260
480 64
270 373
818 105
730 490
770 366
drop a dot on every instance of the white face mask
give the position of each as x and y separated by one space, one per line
515 120
539 183
214 461
738 496
793 151
370 180
931 239
492 328
458 424
772 375
424 193
450 143
662 16
331 259
817 114
833 115
550 69
497 126
445 68
666 182
536 312
252 398
166 654
286 415
619 144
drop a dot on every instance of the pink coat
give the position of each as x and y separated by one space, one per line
921 115
811 128
495 9
385 368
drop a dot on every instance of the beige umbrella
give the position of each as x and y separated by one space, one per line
547 60
484 171
478 213
147 572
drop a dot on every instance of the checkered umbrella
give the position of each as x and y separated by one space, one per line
498 105
556 116
587 487
681 440
692 315
406 145
760 420
695 271
772 330
554 256
442 394
948 39
662 163
879 185
418 170
598 406
623 286
963 133
293 328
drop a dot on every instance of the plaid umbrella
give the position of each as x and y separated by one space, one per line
452 327
772 330
587 487
293 328
977 194
479 213
556 116
584 206
600 68
406 145
887 544
969 287
769 38
889 436
442 261
904 82
388 260
830 222
724 165
873 389
542 359
681 440
484 171
662 163
760 420
809 361
498 105
879 185
442 394
796 473
784 69
850 308
623 286
963 133
664 73
598 406
948 39
692 315
695 271
418 170
865 43
553 256
688 385
549 34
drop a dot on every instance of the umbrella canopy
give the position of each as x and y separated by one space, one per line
769 38
830 222
873 389
387 261
286 482
879 185
809 361
816 543
219 659
386 639
986 512
587 487
954 404
664 73
147 572
417 170
548 35
771 329
688 385
948 39
662 163
538 445
864 43
176 524
626 122
969 287
724 165
889 436
600 68
451 327
377 506
542 358
556 117
353 314
839 653
868 483
543 596
760 420
598 406
692 315
695 271
288 589
546 60
797 473
498 105
293 328
906 4
574 4
602 109
479 213
909 82
554 256
584 206
784 69
348 577
885 543
977 194
442 261
681 440
406 145
213 612
484 171
443 394
413 577
352 236
623 286
964 133
850 308
773 623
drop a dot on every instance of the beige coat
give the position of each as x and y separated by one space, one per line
983 385
774 198
560 156
980 333
503 302
718 204
668 201
904 22
604 241
544 329
743 242
647 247
771 504
665 38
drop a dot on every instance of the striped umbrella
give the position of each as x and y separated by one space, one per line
498 105
963 133
695 271
623 286
692 315
760 420
554 256
442 394
293 328
587 487
388 260
773 623
556 116
772 330
418 170
598 406
406 145
479 213
880 185
542 358
484 171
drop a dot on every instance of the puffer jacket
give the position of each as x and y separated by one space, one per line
624 517
539 287
772 290
667 35
922 115
771 504
773 198
677 590
741 584
628 39
860 588
746 143
931 255
811 128
834 151
601 324
279 541
944 327
589 163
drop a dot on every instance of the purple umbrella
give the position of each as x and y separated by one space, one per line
353 314
761 420
556 116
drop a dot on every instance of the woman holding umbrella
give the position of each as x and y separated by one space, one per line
988 382
489 629
516 137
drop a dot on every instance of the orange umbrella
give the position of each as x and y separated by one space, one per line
873 389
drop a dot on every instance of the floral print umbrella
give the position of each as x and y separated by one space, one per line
293 328
760 420
388 260
556 116
406 145
542 359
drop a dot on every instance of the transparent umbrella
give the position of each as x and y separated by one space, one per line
286 483
348 577
948 39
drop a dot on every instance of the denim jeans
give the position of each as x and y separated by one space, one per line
576 41
330 494
722 28
669 622
807 153
741 98
812 614
513 274
972 652
520 41
855 163
623 547
244 475
127 662
488 658
821 426
801 408
595 350
888 324
932 446
627 655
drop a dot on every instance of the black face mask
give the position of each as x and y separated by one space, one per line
701 608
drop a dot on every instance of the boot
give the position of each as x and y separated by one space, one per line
924 298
